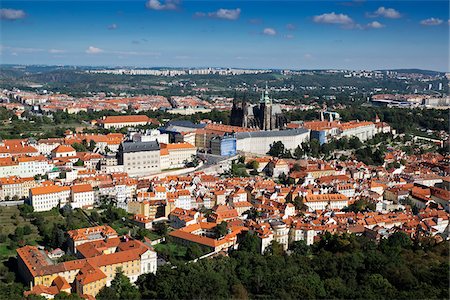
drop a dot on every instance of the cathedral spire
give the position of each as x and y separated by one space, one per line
265 96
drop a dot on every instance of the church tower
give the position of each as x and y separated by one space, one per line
266 108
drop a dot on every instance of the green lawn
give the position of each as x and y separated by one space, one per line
171 249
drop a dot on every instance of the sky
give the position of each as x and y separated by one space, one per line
246 34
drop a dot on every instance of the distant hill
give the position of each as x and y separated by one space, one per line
417 71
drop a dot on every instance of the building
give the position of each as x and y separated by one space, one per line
176 155
224 146
325 201
259 142
118 122
140 158
204 235
264 116
63 151
83 196
45 198
80 236
15 186
96 267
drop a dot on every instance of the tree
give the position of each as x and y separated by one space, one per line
79 163
193 251
79 147
298 152
160 228
252 165
300 247
355 143
275 249
277 149
314 146
221 229
298 203
121 288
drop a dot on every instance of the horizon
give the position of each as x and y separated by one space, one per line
112 67
295 35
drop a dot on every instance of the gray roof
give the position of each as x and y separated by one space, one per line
130 147
277 133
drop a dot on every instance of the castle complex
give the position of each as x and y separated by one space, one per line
263 116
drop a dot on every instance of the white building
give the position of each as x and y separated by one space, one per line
45 198
259 142
325 201
176 155
83 196
140 158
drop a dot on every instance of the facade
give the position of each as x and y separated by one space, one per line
263 116
176 155
83 196
15 186
63 151
259 142
140 158
224 146
125 121
45 198
325 201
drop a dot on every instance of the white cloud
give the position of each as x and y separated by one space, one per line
135 53
375 25
431 22
162 5
308 56
222 13
93 50
269 31
56 51
290 26
333 18
289 36
389 13
12 14
112 26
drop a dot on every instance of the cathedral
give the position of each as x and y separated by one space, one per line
264 116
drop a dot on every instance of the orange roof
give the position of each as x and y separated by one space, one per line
128 119
82 188
63 149
325 197
176 146
51 189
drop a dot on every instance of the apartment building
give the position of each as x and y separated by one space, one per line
25 166
176 155
118 122
325 201
45 198
140 158
82 196
15 186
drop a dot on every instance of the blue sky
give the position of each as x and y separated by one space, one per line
254 34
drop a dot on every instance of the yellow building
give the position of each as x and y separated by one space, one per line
96 267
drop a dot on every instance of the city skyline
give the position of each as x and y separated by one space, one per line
252 34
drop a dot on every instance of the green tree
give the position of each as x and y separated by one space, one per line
221 229
298 152
121 288
277 149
